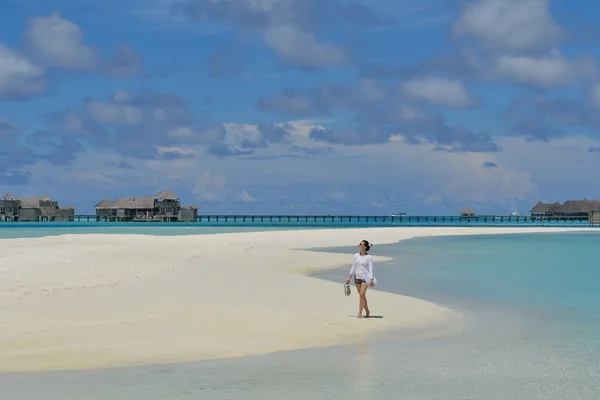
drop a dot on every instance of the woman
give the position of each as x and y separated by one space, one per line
362 269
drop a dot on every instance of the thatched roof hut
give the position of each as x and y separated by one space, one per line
9 196
167 195
135 203
104 204
545 208
467 211
30 202
569 207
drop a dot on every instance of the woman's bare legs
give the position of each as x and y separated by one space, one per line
362 303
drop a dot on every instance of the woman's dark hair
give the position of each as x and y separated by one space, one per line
367 245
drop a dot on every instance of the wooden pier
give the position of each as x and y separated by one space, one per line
347 220
356 219
12 218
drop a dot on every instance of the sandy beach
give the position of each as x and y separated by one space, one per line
93 301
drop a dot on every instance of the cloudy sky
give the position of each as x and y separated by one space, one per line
302 106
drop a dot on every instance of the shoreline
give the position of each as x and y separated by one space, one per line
114 300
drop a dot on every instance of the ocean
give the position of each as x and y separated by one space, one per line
250 223
533 332
14 230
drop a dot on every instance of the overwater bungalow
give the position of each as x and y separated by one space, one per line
162 207
33 209
570 208
467 212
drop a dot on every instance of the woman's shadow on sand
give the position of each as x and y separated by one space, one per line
369 317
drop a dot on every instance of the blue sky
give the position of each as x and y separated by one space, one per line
302 106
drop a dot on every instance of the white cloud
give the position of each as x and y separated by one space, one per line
247 197
440 91
551 70
302 127
594 95
210 186
238 134
213 186
405 113
469 181
540 158
411 168
392 175
18 75
179 151
190 134
59 43
71 123
114 114
521 39
370 91
294 44
510 25
337 195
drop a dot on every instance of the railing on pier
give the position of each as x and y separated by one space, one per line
356 220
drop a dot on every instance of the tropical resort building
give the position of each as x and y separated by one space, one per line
570 208
33 209
467 212
162 207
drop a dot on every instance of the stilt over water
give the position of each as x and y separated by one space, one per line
594 218
360 220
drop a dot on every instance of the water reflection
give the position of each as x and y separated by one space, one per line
362 372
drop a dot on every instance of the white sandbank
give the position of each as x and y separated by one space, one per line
91 301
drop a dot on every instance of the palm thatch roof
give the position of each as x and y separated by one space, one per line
579 206
29 202
167 195
541 208
104 204
568 207
134 203
139 203
9 196
467 210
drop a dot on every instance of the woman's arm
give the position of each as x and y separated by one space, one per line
371 268
352 269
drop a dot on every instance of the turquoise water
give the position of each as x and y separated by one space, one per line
26 230
241 223
533 332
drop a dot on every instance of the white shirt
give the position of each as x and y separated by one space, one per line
362 267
